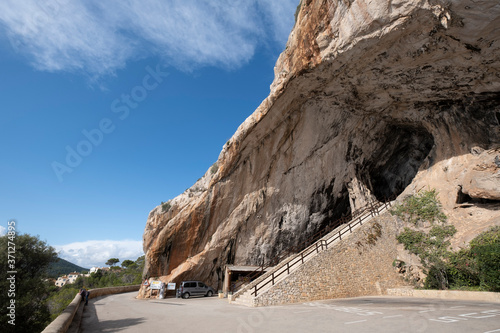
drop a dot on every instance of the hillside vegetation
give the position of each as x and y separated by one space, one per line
129 274
474 267
63 267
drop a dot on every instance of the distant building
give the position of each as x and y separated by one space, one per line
67 279
72 277
61 281
94 269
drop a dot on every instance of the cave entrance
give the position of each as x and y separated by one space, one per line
397 160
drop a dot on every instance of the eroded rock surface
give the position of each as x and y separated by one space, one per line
371 99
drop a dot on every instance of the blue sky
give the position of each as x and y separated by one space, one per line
110 108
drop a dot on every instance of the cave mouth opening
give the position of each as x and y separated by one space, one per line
463 198
397 160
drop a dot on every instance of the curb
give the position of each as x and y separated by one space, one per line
446 294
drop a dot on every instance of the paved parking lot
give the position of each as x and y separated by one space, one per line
124 313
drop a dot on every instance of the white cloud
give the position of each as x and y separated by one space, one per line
3 231
99 37
97 252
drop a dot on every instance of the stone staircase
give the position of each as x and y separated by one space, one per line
247 295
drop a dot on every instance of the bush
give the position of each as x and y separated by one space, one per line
424 206
431 247
165 206
488 262
214 168
477 266
59 300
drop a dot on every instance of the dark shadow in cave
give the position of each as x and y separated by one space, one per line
463 198
334 207
330 205
396 162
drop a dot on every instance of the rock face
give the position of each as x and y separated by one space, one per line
371 100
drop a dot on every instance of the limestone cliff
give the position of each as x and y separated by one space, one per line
371 99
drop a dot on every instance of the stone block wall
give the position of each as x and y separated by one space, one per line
360 265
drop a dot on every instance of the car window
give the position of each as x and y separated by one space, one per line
201 285
190 285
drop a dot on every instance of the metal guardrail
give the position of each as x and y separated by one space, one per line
358 217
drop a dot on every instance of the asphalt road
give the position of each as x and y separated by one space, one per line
124 313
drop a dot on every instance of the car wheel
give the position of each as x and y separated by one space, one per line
209 294
185 295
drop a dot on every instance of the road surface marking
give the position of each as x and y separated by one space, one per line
393 316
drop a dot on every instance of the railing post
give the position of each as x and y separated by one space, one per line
288 268
255 290
302 256
340 235
272 278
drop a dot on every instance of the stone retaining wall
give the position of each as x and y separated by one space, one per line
113 290
446 294
63 321
360 265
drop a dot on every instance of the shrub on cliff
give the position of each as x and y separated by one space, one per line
478 265
431 247
424 206
475 267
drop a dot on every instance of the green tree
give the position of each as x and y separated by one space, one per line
432 249
112 261
127 263
476 267
140 261
32 258
61 298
